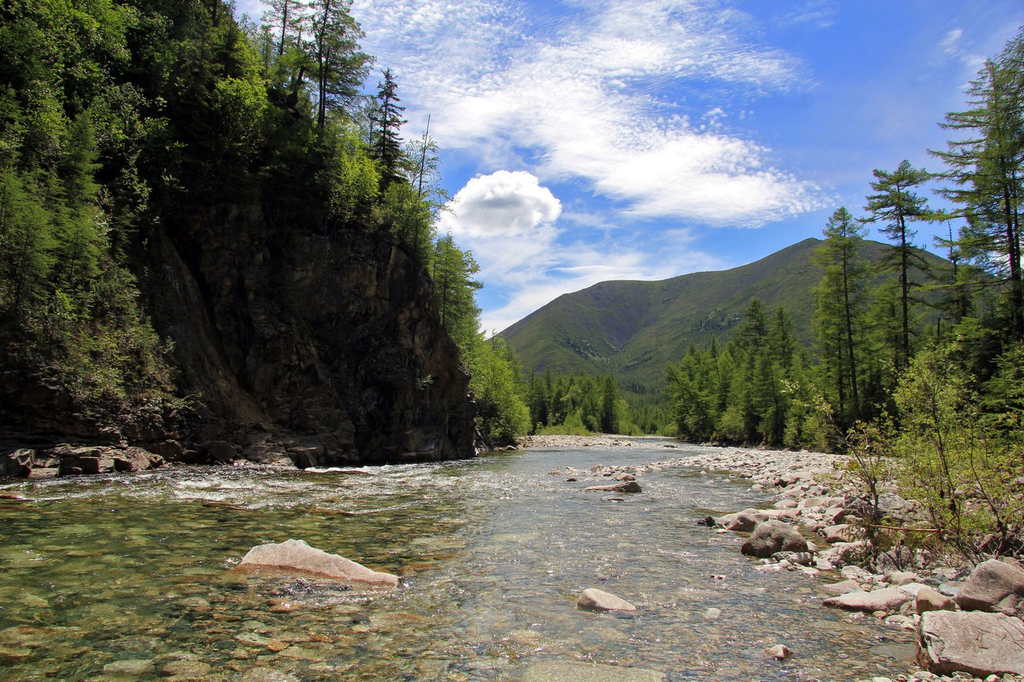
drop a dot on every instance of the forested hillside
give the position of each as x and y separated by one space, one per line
213 245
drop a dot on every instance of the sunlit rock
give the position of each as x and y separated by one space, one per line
973 642
774 536
993 586
296 555
597 600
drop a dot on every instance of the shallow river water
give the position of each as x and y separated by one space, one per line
131 577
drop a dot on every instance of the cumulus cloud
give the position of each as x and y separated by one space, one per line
502 204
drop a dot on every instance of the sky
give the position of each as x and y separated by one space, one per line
591 140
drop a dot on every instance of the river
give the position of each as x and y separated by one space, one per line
132 576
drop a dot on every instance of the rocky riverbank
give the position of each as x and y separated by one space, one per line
967 619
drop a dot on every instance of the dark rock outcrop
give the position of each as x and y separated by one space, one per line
326 342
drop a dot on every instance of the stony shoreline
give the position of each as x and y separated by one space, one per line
816 493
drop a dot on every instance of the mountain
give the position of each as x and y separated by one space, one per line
632 329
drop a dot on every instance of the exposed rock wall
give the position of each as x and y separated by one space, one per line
324 347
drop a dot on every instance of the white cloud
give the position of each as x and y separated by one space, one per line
501 204
586 100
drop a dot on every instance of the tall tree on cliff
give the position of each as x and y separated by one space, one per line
840 310
894 204
340 66
387 123
986 167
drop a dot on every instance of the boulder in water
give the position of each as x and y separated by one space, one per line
597 600
774 536
296 555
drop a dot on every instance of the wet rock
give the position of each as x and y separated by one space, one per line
928 599
297 555
779 652
774 536
14 654
625 487
597 600
993 586
977 643
746 520
129 668
219 451
186 670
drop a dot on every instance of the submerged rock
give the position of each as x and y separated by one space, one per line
597 600
626 487
298 556
978 643
574 671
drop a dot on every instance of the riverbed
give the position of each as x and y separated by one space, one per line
132 576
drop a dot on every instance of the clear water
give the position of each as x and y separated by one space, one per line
131 576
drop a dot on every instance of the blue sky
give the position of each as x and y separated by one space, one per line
592 140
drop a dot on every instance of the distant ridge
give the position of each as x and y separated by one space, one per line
631 329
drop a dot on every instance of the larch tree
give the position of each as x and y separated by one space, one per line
895 205
986 168
340 66
839 311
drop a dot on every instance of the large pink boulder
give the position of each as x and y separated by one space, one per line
296 555
973 642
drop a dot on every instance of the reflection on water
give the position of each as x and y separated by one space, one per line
130 576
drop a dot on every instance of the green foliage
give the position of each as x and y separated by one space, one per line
964 474
452 271
494 379
577 405
748 393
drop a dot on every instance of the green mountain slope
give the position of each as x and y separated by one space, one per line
632 329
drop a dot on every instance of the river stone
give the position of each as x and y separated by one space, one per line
625 487
297 555
841 532
572 671
774 536
598 600
132 668
746 520
932 600
887 600
780 652
974 642
844 587
993 586
196 670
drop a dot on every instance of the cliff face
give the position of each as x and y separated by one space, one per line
322 348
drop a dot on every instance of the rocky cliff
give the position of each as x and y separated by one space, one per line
324 346
312 346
